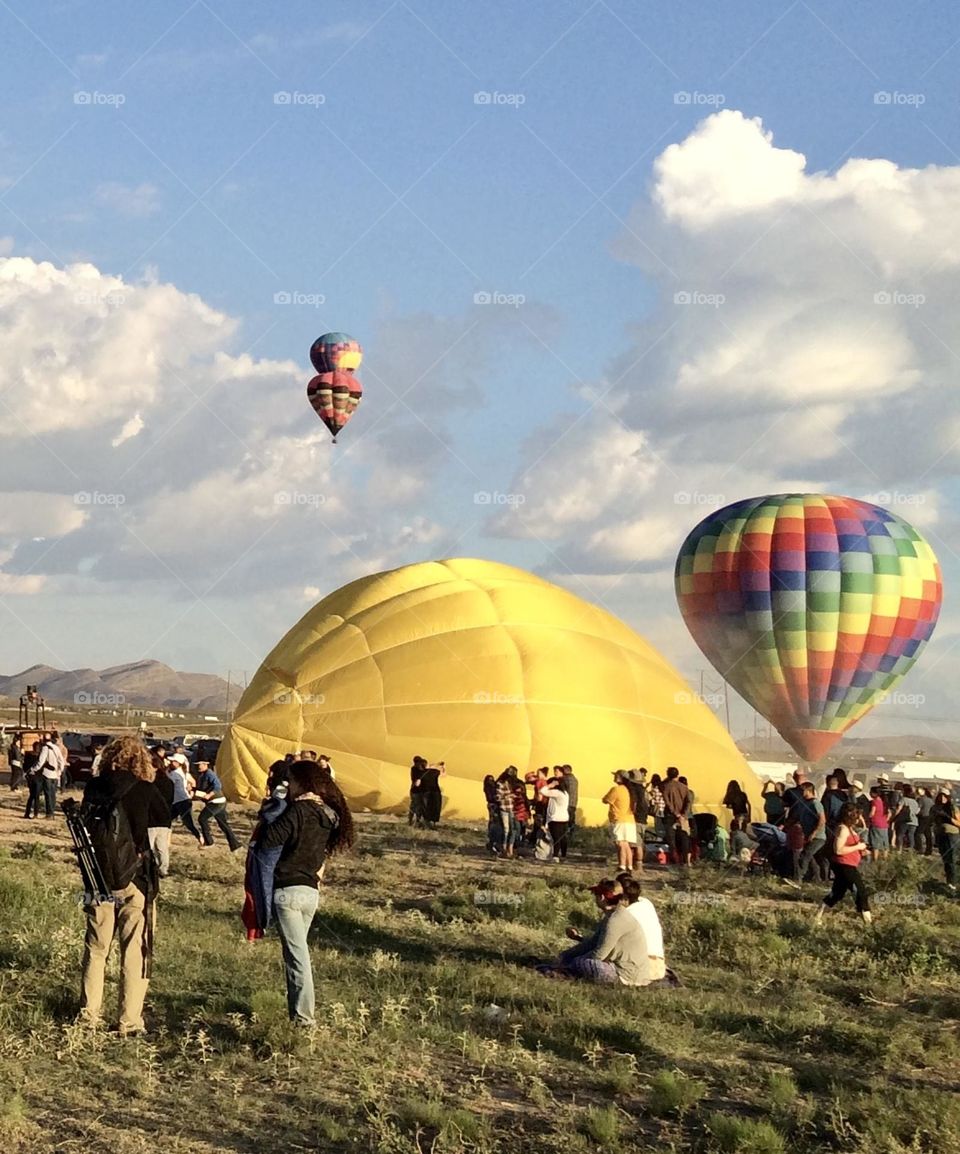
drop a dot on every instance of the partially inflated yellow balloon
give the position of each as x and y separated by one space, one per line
481 666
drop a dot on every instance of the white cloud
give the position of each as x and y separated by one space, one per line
137 201
130 429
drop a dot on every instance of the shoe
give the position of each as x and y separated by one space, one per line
792 884
867 918
818 916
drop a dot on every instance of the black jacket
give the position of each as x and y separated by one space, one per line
303 830
141 802
164 787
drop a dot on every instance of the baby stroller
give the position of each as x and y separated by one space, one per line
772 853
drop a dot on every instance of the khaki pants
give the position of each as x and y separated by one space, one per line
126 919
159 836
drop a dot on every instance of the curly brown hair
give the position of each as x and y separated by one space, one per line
128 754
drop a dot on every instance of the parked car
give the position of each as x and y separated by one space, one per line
81 750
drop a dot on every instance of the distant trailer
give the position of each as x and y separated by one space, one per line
209 717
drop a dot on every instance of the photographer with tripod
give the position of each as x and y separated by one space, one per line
110 831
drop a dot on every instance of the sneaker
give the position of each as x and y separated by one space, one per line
867 918
818 916
792 884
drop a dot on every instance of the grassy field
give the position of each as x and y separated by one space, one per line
437 1036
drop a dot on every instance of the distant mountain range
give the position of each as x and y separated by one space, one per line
141 683
900 747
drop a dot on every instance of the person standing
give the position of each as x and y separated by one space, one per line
316 823
676 821
415 813
847 851
572 785
494 825
736 800
622 819
97 757
946 828
923 840
432 797
908 819
15 762
124 788
210 792
50 765
861 801
773 808
159 835
878 822
34 781
655 806
183 784
809 814
558 815
833 799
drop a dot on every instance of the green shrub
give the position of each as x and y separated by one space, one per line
673 1092
744 1136
603 1124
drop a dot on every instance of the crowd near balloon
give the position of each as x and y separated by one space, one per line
812 607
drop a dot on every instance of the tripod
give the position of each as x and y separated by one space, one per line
96 890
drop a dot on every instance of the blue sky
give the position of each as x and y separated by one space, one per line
151 144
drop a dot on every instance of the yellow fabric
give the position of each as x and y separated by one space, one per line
618 799
479 665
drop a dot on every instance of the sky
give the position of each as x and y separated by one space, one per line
612 263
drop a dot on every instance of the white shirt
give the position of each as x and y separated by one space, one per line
179 779
558 804
646 914
51 761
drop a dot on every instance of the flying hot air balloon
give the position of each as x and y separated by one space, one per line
812 607
335 391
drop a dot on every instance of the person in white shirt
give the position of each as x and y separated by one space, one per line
50 766
558 816
645 913
183 786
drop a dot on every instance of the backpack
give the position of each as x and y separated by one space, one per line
111 838
638 798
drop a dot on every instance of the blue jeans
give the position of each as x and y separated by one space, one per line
49 785
294 907
511 830
949 847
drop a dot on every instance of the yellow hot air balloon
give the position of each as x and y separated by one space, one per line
479 665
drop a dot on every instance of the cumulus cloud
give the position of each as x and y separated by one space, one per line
135 201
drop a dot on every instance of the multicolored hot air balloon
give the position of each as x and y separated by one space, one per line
811 607
335 392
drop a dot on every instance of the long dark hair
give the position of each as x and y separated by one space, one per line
847 815
734 795
312 779
841 776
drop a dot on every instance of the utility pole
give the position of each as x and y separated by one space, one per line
226 707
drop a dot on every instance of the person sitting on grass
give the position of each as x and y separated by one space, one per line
742 844
617 952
